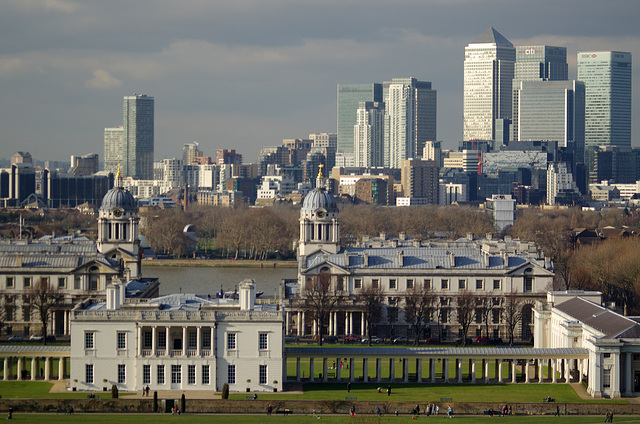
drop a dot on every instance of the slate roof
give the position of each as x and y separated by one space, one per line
612 324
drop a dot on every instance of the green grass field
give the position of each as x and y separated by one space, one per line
233 419
39 390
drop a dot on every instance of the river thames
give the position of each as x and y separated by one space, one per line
209 280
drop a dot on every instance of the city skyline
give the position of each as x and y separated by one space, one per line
246 75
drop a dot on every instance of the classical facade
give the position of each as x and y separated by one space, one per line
580 320
76 266
491 270
177 342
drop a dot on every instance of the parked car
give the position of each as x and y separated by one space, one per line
400 340
51 338
16 338
36 338
432 340
495 341
374 340
481 340
350 338
291 339
467 341
330 339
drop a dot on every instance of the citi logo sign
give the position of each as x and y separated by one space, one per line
530 50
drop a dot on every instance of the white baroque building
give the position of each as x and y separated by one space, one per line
177 342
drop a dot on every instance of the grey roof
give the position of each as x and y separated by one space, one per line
498 352
611 323
423 257
318 198
33 348
75 247
54 261
492 36
119 198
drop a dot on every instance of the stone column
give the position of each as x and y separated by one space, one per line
168 340
5 368
303 326
499 370
513 370
213 341
331 323
154 341
138 341
352 370
445 369
540 371
419 369
405 370
184 341
526 371
365 370
61 369
299 323
459 370
311 370
315 328
350 322
363 325
486 371
198 341
19 369
378 370
325 368
553 365
472 368
287 323
346 323
338 370
297 369
47 369
392 369
432 370
581 368
33 369
615 375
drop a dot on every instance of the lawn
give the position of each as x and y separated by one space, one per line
233 419
40 390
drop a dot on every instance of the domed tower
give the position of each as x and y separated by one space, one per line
319 221
118 228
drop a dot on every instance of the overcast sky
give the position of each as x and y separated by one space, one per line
247 73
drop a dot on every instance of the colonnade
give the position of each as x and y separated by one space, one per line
40 368
354 323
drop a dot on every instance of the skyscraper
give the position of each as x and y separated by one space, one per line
349 98
138 144
537 63
113 148
369 135
488 74
607 79
410 119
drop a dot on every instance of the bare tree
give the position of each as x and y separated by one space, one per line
370 298
44 299
512 313
417 310
465 311
486 308
320 297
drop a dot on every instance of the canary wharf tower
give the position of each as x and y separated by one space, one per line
489 62
138 144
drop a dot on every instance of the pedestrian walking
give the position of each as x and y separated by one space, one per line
349 387
389 390
269 409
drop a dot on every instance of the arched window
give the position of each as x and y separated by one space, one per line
528 281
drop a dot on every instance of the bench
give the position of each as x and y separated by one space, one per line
445 399
283 412
92 396
548 400
350 398
63 411
491 412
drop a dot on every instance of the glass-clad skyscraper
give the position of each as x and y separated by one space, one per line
607 78
349 98
138 144
488 74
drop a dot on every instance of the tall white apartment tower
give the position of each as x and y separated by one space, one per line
368 135
138 141
488 74
607 81
410 119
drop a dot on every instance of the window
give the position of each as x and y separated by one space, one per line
191 374
93 282
444 284
62 282
88 373
357 283
427 283
88 340
206 339
176 374
393 315
340 284
146 374
478 316
9 313
263 374
76 283
496 284
26 313
462 284
392 283
10 282
231 341
205 374
160 374
528 281
262 341
231 374
478 284
445 316
496 317
162 340
193 339
409 284
121 373
147 339
375 283
607 355
27 282
121 340
606 377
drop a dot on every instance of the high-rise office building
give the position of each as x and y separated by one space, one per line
369 135
138 144
488 74
537 63
607 79
329 140
410 119
113 148
552 110
349 98
190 151
420 179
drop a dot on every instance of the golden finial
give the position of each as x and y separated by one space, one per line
119 174
320 176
